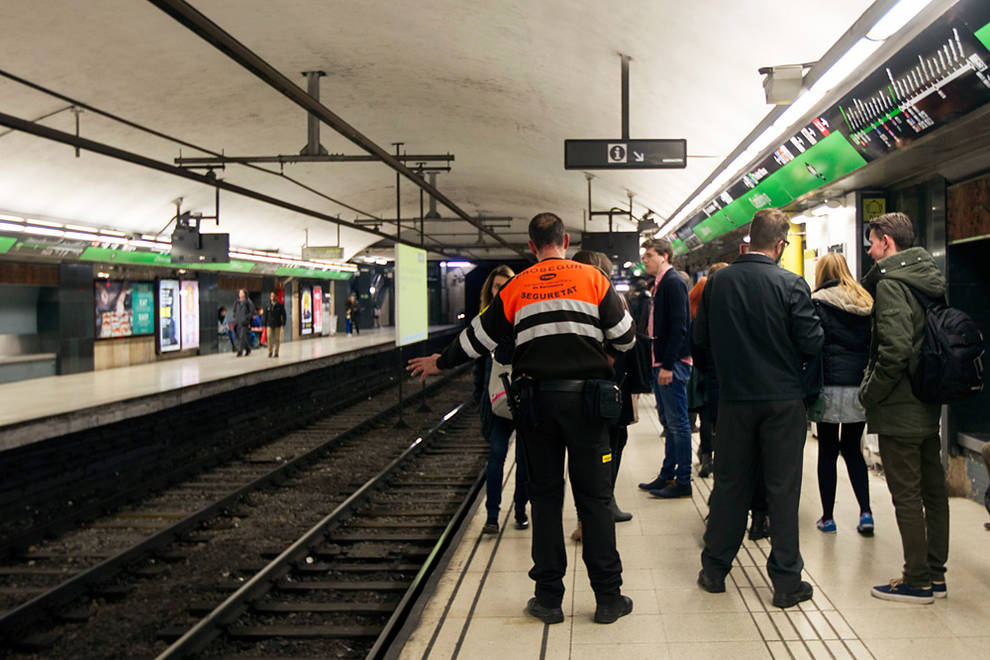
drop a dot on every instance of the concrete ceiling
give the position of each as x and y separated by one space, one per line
499 84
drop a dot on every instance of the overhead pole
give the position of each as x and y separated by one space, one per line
625 95
223 41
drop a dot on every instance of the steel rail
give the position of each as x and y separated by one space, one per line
197 22
211 626
23 615
38 130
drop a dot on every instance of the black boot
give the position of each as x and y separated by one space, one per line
706 465
760 527
618 515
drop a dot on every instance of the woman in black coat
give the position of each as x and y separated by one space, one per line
844 309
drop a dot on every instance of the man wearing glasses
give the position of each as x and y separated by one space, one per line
758 321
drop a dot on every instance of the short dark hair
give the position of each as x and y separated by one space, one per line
546 229
769 227
660 246
896 225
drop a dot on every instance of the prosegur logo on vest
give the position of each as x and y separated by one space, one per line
546 277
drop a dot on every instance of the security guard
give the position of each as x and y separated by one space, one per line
562 316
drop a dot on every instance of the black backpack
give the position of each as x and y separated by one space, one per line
950 367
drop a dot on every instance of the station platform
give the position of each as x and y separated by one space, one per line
477 608
42 408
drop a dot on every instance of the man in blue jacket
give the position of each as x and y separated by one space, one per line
759 323
668 327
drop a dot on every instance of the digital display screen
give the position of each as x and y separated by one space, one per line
189 305
123 308
305 310
412 321
169 316
941 75
317 309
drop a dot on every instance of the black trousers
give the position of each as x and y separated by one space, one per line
563 428
243 338
752 434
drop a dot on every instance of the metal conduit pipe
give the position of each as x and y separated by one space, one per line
137 159
209 31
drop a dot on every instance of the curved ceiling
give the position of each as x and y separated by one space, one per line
499 84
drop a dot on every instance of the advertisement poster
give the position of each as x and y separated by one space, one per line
412 322
123 308
305 310
189 299
169 329
317 310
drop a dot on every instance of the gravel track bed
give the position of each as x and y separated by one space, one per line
215 559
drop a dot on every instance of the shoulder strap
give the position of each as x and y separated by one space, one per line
925 301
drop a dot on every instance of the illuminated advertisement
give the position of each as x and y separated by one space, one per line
123 308
305 310
411 322
317 309
940 76
189 313
169 316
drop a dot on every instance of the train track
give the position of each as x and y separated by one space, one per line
106 560
345 586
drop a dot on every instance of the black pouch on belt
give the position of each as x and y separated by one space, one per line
603 399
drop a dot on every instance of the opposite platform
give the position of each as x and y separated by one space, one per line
477 609
42 408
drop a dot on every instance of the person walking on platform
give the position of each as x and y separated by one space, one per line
498 430
843 306
353 314
243 311
668 326
566 320
275 318
908 429
758 321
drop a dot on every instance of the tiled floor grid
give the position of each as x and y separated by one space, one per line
477 610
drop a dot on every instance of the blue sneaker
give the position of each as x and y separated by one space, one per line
938 589
897 590
865 526
827 526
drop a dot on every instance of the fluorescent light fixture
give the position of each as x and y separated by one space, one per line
80 236
103 275
622 287
896 18
44 231
459 264
7 226
112 232
11 218
43 223
90 230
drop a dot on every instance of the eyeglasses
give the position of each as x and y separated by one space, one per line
786 242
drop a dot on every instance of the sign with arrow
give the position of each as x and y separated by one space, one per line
625 154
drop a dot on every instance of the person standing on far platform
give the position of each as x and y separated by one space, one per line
275 318
668 326
910 447
758 321
566 319
243 311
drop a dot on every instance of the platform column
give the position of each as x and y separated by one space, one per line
75 314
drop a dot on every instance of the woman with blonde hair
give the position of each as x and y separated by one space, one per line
498 430
844 307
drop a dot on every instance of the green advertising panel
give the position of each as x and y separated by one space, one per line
143 308
412 319
6 242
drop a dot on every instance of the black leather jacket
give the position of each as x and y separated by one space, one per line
760 325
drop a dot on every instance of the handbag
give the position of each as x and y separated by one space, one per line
496 388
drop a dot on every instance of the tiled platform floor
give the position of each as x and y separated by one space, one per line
477 611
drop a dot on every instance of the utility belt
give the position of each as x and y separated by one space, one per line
599 398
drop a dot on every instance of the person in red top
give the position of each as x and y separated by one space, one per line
564 318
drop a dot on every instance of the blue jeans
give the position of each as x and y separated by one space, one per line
672 407
498 441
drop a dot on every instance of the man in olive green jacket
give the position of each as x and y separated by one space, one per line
908 429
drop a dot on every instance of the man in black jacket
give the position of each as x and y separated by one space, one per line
243 311
668 327
760 325
275 320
